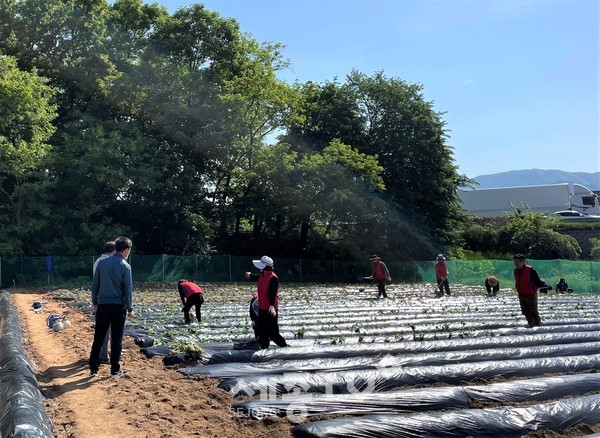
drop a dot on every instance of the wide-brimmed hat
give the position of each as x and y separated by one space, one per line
264 261
374 257
492 281
441 257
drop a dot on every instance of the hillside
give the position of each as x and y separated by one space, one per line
537 176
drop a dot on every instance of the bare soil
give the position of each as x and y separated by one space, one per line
151 401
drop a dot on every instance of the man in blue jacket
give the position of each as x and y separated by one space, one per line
112 299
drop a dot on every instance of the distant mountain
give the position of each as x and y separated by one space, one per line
534 177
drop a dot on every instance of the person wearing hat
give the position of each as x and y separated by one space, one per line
267 324
492 285
191 295
528 283
441 275
381 275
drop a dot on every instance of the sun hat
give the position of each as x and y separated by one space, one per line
492 281
264 261
441 257
374 257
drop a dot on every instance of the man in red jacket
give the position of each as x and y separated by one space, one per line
527 283
191 295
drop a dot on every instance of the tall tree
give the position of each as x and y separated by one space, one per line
409 137
324 112
304 199
26 114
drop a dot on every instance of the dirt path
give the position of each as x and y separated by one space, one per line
152 401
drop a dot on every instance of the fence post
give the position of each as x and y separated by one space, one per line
333 263
163 267
0 272
592 286
230 276
414 265
300 260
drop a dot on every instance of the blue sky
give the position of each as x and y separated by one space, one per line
517 79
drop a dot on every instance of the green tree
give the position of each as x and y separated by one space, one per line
595 250
409 137
64 41
532 234
322 113
26 115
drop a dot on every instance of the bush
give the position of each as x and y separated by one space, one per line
595 251
500 238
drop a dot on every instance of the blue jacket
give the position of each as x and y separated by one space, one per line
113 282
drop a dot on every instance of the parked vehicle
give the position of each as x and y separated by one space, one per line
571 215
540 199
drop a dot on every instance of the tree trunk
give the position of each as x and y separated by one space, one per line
304 235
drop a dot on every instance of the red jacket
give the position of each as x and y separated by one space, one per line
380 271
441 270
187 289
263 290
524 281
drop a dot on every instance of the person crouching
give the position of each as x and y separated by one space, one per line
191 295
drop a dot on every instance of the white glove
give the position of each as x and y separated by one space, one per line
272 311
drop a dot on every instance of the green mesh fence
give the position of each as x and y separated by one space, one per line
77 271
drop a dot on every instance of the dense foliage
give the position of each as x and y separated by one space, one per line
531 234
595 251
175 129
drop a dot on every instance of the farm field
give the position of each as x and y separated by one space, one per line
411 365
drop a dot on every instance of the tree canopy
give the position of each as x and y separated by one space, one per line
176 130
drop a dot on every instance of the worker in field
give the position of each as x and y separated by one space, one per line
492 285
562 286
380 274
267 323
528 283
441 275
191 295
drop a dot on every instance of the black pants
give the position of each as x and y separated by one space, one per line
381 289
529 308
193 300
113 316
268 330
104 356
443 284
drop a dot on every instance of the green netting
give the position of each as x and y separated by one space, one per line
32 271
